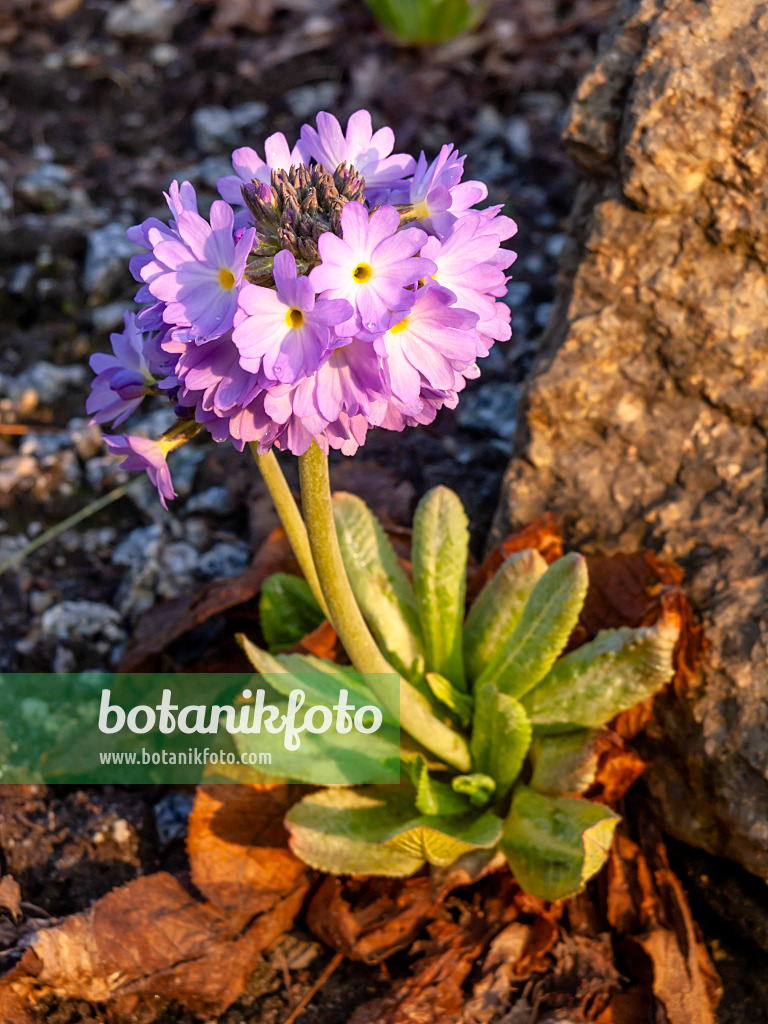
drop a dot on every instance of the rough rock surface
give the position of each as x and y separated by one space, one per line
644 422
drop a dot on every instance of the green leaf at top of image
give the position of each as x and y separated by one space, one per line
554 845
428 21
381 588
288 610
493 617
501 735
439 554
343 831
543 630
613 672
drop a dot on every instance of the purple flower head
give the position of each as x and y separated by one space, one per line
250 167
362 148
122 379
197 276
287 333
372 266
429 346
143 453
437 193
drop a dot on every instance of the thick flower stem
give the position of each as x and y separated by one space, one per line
346 618
290 517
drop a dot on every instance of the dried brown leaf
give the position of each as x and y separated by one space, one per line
152 939
372 918
491 994
10 896
238 846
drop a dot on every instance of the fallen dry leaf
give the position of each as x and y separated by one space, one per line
10 896
491 994
238 846
149 940
369 919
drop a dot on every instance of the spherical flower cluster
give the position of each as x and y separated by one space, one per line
336 286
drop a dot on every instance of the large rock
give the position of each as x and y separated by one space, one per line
645 420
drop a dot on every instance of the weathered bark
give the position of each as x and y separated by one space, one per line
645 420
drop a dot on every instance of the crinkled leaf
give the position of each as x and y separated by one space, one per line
328 758
381 588
288 610
343 831
438 798
554 845
439 553
541 634
501 735
441 840
615 671
460 704
478 787
496 612
564 765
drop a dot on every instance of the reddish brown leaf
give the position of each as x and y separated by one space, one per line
238 846
618 767
10 896
370 919
152 939
323 642
543 533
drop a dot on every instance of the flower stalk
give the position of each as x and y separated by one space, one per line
347 620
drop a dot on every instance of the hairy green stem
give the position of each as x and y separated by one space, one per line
290 517
345 616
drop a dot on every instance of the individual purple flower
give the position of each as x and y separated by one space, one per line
211 375
437 193
122 379
197 276
371 266
178 197
144 453
429 346
249 167
468 265
362 148
287 333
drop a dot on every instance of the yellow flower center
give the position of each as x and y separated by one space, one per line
363 272
294 317
396 328
226 278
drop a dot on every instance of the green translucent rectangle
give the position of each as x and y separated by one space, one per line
91 727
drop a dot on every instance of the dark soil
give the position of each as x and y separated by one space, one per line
116 110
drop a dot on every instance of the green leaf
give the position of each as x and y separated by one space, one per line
441 840
501 735
427 21
478 787
564 765
459 703
439 553
288 610
543 630
555 845
328 758
381 588
615 671
496 612
343 831
438 798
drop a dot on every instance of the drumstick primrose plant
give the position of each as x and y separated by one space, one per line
335 287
